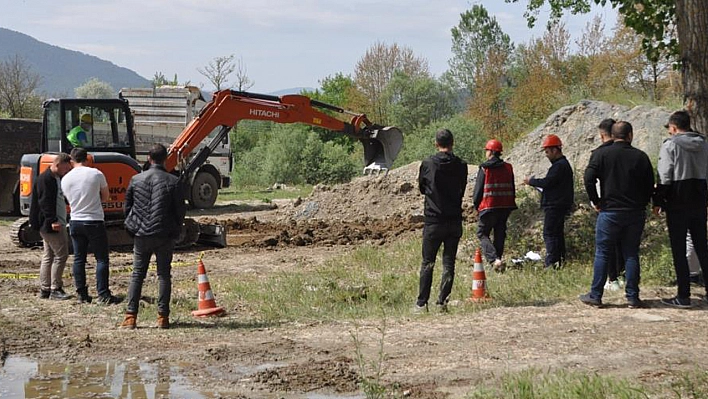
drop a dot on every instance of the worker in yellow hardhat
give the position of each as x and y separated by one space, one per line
556 199
78 134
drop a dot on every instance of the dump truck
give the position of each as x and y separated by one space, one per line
159 115
17 137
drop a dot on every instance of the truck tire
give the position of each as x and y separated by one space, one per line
203 191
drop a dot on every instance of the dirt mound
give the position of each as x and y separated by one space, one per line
336 374
252 232
392 196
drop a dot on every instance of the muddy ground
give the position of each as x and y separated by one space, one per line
433 356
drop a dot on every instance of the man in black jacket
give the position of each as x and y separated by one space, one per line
442 180
556 199
48 215
154 209
626 182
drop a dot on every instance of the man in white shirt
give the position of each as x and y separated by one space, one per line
85 187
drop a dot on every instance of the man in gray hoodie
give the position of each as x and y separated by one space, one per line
682 192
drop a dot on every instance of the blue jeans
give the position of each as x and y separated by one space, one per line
625 228
434 235
143 248
93 233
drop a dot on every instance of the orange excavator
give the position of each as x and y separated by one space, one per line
110 141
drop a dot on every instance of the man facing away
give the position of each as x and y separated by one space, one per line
85 188
48 215
626 182
154 209
682 193
494 199
556 199
442 180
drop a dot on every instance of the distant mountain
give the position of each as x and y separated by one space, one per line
293 90
63 70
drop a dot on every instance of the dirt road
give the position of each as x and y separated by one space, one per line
431 356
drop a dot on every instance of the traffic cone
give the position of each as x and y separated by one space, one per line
479 280
207 303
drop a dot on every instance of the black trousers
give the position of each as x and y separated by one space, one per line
494 219
554 235
434 235
679 223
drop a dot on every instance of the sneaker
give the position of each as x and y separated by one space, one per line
676 302
419 309
588 300
59 295
163 322
129 322
498 266
612 285
635 303
44 294
107 300
84 298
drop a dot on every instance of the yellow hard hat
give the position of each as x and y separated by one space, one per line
86 118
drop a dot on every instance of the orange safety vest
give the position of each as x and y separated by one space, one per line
498 191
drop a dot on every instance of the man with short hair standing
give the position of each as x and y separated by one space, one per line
556 199
85 188
627 181
442 180
48 215
683 194
154 209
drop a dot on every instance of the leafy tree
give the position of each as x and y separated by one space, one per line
417 101
160 80
218 71
94 88
338 90
654 20
17 89
376 69
472 39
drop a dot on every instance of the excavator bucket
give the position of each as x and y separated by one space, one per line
381 149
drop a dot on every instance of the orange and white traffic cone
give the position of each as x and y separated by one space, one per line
479 280
207 303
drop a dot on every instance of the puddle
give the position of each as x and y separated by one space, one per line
24 378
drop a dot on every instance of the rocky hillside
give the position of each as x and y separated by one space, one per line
396 194
576 125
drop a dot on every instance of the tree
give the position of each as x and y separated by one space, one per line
160 80
472 39
243 82
218 71
94 88
654 19
417 101
377 67
17 89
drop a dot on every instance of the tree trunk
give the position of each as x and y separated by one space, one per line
692 26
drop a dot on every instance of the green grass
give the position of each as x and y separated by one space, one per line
263 194
559 384
7 220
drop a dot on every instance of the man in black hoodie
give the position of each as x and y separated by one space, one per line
494 199
442 180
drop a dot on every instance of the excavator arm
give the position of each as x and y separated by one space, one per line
227 107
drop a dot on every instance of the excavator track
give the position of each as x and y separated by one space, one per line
22 235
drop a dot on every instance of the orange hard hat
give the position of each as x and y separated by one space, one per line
552 141
493 145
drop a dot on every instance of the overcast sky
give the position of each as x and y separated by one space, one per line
283 44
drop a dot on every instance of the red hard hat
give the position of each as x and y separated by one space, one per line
493 145
552 141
